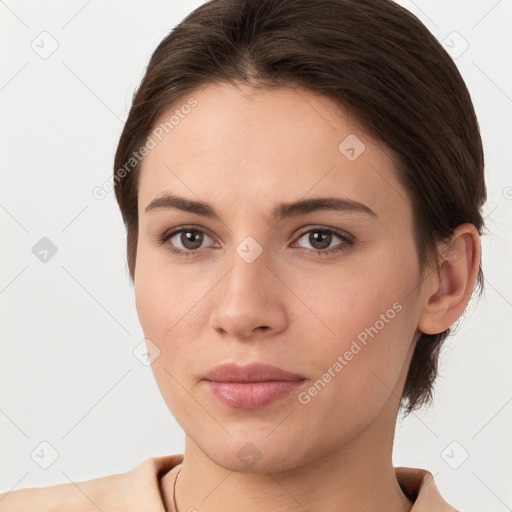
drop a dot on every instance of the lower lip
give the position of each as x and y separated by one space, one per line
252 395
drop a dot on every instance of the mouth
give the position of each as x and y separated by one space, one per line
251 386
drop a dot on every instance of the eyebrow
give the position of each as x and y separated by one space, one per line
280 211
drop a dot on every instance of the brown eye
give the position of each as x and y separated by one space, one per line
191 239
320 239
184 241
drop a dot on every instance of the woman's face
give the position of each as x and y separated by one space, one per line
331 294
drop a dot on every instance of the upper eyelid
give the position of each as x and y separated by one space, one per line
172 232
336 231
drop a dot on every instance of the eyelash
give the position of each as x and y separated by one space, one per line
347 241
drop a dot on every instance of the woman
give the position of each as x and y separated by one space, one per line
302 185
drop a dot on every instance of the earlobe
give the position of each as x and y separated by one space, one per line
454 280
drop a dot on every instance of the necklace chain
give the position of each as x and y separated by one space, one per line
174 490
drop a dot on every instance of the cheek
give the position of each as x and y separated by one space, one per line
346 300
168 298
172 307
165 306
368 319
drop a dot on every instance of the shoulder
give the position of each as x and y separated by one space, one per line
104 493
112 493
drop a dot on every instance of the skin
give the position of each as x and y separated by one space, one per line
244 151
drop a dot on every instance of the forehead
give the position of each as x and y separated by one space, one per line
238 146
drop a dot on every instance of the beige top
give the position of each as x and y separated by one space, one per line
138 490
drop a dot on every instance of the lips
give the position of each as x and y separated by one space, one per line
254 372
251 386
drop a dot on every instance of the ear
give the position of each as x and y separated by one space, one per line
448 288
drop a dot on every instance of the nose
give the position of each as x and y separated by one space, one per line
250 301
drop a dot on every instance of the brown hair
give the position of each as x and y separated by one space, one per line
373 58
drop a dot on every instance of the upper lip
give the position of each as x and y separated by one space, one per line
253 372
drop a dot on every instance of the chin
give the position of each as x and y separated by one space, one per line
254 453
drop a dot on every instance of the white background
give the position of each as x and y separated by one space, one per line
69 326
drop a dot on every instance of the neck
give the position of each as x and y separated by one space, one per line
357 477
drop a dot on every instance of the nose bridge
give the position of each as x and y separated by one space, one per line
248 277
247 298
251 252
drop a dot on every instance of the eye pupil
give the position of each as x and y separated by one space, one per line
322 236
194 238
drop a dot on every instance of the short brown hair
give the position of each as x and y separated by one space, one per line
373 58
